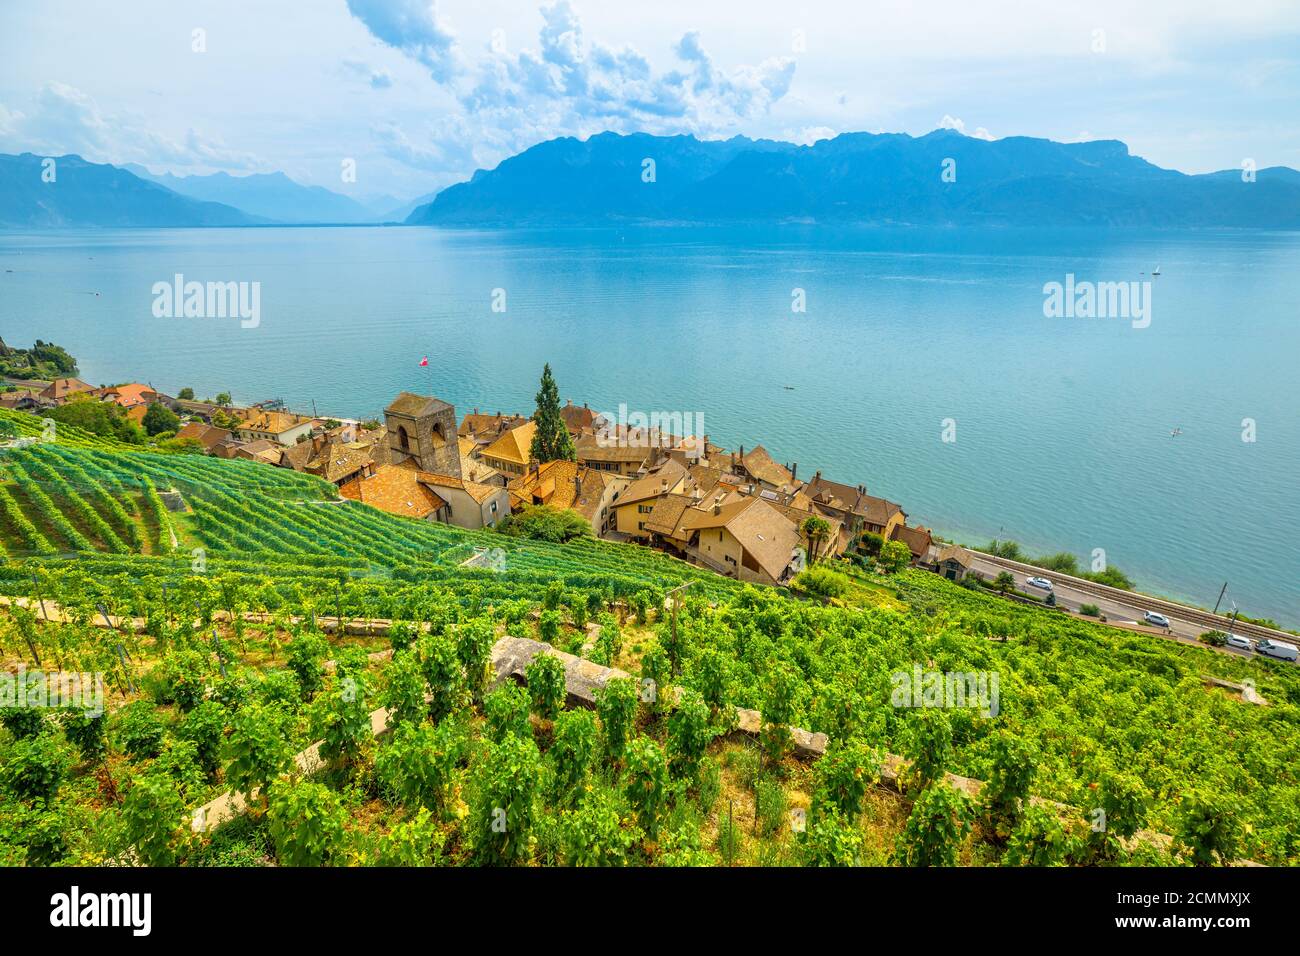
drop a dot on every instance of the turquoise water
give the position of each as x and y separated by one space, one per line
1062 425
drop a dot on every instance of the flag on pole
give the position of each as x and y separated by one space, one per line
424 361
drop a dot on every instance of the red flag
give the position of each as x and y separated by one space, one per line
424 361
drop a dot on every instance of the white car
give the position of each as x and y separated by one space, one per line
1243 643
1159 620
1043 583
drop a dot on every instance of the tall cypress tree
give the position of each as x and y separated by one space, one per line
551 440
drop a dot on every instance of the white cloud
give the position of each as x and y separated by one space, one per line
952 122
808 135
414 28
377 79
569 84
66 120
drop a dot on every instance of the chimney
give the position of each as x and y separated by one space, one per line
584 404
476 411
577 485
818 476
717 509
742 451
794 470
862 489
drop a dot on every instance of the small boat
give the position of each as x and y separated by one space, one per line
1175 433
1156 271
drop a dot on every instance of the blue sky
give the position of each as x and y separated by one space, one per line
421 94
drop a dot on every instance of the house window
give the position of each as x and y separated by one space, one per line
494 507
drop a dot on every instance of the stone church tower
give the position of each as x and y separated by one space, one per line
423 428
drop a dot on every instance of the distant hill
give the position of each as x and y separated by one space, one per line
272 196
858 177
95 194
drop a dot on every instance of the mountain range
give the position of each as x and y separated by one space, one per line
942 178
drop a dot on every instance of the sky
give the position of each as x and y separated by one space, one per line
399 98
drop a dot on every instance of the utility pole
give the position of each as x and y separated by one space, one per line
1221 594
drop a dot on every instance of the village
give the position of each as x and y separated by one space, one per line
739 513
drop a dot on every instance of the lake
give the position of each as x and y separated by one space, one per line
1062 426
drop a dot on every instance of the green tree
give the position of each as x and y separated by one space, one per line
1005 582
160 418
551 439
186 394
815 531
895 556
223 399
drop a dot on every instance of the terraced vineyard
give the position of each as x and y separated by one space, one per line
229 592
85 500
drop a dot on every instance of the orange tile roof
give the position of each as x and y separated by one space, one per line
396 489
513 446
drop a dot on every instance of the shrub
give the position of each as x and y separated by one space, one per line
307 652
823 582
841 778
1007 790
443 673
934 831
546 683
573 749
616 706
769 806
306 823
689 735
778 710
87 732
593 834
205 728
155 821
34 768
140 730
417 767
474 641
644 781
832 841
414 842
401 635
929 746
1208 832
405 688
346 729
1039 839
1089 610
23 722
258 749
502 814
506 711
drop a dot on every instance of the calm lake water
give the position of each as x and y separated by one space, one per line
1062 424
